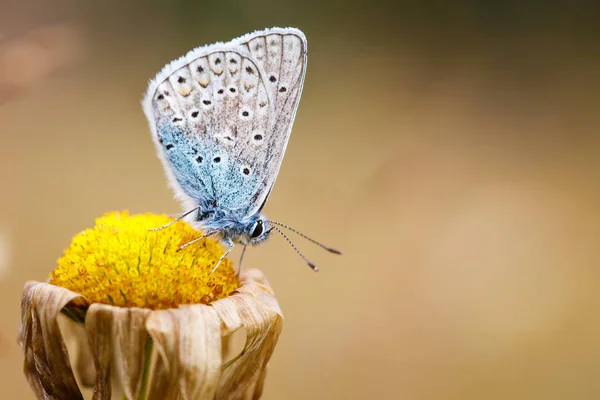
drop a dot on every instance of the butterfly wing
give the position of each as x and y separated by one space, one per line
282 55
221 117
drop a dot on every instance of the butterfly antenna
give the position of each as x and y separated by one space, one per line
182 216
313 266
329 249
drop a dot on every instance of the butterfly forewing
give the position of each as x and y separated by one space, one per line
221 118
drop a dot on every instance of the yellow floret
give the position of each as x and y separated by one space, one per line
119 262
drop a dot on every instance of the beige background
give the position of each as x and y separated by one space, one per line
450 151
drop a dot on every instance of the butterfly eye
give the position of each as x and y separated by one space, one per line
258 229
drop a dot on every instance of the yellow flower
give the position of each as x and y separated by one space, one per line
121 263
156 323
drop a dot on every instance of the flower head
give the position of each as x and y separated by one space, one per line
152 317
122 263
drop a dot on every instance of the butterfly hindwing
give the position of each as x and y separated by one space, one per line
221 124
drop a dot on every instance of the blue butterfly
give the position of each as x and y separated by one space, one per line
221 117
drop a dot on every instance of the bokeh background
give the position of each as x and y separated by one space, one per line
451 149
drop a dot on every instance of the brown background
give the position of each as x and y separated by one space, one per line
450 150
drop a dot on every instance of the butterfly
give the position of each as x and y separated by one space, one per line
221 117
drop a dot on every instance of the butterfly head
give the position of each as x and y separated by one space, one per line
256 232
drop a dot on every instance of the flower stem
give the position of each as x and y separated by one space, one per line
146 370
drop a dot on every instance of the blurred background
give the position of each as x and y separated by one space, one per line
450 149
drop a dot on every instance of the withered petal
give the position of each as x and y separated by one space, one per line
84 365
188 353
255 308
130 326
117 335
99 328
256 391
47 366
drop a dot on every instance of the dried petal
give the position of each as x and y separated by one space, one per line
253 307
83 360
117 337
131 333
99 327
188 345
47 366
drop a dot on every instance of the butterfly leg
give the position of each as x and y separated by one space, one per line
182 216
241 259
205 235
231 245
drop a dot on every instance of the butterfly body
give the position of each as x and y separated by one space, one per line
209 195
221 117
